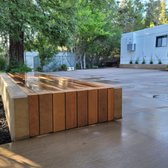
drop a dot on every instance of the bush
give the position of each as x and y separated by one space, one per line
88 66
15 67
143 61
131 62
39 69
137 61
95 66
159 61
78 66
63 67
151 61
2 64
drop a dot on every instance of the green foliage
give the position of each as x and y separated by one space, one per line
91 28
15 67
63 67
159 61
78 66
39 69
137 61
3 64
97 35
143 61
163 19
151 61
131 15
24 20
131 62
152 12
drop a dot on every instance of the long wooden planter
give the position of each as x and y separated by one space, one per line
57 107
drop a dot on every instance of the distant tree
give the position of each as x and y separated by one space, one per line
152 13
138 15
95 30
130 15
163 18
22 18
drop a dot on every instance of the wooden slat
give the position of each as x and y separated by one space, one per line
86 84
117 103
102 105
33 107
71 113
82 108
92 107
45 104
58 112
110 104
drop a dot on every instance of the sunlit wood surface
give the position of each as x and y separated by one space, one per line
58 103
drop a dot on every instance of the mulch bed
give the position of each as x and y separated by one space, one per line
4 130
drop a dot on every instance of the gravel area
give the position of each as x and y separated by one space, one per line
4 130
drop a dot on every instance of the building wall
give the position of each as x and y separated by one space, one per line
31 59
145 41
59 59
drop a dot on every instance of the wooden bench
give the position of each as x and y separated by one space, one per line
40 104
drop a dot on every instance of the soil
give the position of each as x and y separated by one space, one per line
4 129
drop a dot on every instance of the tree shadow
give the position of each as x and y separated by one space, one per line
9 159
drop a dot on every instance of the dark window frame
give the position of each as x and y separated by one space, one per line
159 41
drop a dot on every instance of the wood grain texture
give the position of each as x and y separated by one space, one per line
102 105
21 118
33 108
58 112
82 108
71 111
110 104
92 107
117 103
46 112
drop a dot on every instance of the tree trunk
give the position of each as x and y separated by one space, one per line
81 63
16 49
84 61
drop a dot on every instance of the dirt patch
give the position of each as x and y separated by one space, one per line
4 130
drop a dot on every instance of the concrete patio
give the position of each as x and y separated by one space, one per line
139 140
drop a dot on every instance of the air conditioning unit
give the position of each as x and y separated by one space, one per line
131 47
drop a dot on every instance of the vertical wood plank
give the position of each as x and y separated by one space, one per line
92 106
33 108
71 113
58 112
110 104
46 110
102 105
82 108
117 103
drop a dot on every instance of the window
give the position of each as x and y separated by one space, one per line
161 41
131 47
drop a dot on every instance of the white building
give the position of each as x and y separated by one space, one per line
147 46
66 58
31 59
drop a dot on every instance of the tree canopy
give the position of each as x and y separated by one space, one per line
22 20
90 28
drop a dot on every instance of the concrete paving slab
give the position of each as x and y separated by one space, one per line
139 140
